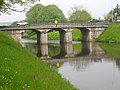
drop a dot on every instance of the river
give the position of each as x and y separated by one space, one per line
87 66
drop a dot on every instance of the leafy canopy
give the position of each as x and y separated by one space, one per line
7 5
77 13
44 14
113 14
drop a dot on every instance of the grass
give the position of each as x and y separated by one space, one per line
54 36
76 35
111 34
20 70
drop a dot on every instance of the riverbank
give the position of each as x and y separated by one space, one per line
20 70
111 34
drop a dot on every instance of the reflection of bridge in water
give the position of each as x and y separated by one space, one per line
87 54
89 50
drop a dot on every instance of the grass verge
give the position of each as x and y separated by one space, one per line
111 34
20 70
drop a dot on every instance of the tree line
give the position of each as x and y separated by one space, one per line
114 14
47 14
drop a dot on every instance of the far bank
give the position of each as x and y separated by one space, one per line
111 34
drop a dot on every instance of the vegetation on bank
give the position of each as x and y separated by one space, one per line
111 34
76 35
20 70
54 36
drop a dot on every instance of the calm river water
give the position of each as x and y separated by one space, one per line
88 66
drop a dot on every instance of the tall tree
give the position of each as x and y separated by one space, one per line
78 13
113 14
34 14
44 14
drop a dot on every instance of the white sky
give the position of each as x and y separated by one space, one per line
97 8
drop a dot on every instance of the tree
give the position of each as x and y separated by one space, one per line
77 13
44 14
113 14
116 12
7 5
33 15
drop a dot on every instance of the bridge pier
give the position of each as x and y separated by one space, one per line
66 36
95 33
67 49
91 49
42 37
85 34
90 34
43 51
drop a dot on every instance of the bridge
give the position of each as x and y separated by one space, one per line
89 31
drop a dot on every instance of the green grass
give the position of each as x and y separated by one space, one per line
20 70
111 34
76 35
53 36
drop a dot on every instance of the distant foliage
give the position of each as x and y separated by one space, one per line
44 14
77 13
113 14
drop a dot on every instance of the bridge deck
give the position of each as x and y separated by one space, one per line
52 26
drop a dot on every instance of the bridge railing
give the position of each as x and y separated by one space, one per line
66 24
80 23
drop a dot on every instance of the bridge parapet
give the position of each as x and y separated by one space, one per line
53 26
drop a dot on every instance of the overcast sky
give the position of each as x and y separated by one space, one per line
97 8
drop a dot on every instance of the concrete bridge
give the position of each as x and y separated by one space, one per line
89 31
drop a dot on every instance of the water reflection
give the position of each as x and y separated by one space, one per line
43 51
67 50
86 65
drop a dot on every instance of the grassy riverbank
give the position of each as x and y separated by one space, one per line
111 34
20 70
